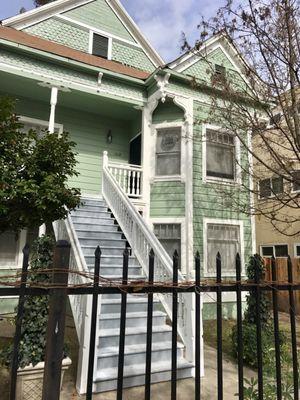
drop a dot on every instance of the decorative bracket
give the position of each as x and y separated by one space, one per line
99 81
162 83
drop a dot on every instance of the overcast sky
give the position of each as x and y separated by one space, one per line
162 21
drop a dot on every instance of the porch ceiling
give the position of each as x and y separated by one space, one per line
18 86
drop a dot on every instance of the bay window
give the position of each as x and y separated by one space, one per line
169 236
168 152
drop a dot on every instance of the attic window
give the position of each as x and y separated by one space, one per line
220 72
100 46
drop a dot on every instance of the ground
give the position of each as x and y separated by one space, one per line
160 391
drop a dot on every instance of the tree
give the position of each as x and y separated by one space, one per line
266 105
34 173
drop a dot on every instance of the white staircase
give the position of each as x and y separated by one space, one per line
95 225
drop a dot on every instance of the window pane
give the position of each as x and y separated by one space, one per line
281 250
168 140
170 246
8 249
265 188
100 45
277 185
168 164
170 237
267 251
297 250
296 180
224 239
220 161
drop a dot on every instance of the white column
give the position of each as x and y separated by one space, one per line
53 102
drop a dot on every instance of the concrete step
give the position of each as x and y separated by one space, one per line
90 214
137 319
82 226
135 335
106 379
98 234
136 354
134 304
105 220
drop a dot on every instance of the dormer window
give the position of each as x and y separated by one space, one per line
220 72
100 45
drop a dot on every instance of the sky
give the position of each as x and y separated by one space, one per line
162 21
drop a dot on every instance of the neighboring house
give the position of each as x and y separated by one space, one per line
87 65
278 189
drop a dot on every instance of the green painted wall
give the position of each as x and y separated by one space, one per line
167 112
89 131
99 15
208 200
61 32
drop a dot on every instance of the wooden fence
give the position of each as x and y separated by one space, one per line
282 275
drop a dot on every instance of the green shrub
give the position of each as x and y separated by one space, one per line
34 324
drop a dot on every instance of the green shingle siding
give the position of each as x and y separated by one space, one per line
167 112
132 56
99 15
61 32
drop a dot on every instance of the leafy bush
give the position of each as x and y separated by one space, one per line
34 324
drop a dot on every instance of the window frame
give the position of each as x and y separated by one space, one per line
219 221
292 183
182 223
237 158
295 250
181 176
272 196
23 119
274 250
91 41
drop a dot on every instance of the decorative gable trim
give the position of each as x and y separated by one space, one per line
42 13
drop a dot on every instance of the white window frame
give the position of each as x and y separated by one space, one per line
295 250
220 221
237 154
165 178
292 184
272 196
182 223
91 39
272 245
41 122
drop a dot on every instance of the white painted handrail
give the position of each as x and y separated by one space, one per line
129 178
142 239
80 305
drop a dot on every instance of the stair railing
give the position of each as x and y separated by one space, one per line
142 239
129 178
80 305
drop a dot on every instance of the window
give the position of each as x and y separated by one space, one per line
275 119
224 239
296 181
297 250
220 72
279 250
100 46
270 186
169 236
168 152
8 249
220 155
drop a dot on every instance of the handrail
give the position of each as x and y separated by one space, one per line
142 239
128 176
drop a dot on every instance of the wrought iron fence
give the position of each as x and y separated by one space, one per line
60 289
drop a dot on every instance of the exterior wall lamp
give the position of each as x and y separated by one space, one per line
109 137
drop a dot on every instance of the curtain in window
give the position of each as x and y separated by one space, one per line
168 147
224 239
8 249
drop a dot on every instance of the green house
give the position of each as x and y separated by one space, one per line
149 162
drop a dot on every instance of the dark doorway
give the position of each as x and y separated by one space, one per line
135 154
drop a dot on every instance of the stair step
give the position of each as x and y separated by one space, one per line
136 354
136 319
95 208
134 304
98 234
83 226
82 212
135 335
89 201
111 260
106 245
105 220
106 379
116 272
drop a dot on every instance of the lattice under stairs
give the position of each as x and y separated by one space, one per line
95 225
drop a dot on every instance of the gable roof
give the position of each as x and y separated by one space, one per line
60 6
47 46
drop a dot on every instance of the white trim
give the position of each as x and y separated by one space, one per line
135 136
41 122
167 125
295 250
96 30
252 199
91 40
182 222
237 169
274 250
272 195
220 221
